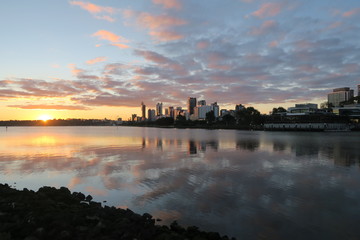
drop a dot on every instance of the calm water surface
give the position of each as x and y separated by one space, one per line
250 185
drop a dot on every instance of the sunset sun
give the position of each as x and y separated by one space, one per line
44 117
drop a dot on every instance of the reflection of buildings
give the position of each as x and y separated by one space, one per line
192 147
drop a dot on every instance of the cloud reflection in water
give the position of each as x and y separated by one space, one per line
243 184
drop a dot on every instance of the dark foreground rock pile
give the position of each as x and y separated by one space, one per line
52 213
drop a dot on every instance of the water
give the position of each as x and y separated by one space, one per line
250 185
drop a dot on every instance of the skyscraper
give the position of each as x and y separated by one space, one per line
340 95
191 104
143 110
159 109
202 103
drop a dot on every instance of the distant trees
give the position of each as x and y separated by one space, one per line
248 116
210 117
278 110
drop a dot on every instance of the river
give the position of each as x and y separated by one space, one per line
245 184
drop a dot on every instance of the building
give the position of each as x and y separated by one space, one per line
143 110
151 115
358 86
340 95
215 107
171 112
302 109
191 104
201 103
159 109
201 111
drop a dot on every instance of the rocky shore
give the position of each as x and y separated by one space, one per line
52 213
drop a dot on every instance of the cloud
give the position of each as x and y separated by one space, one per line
268 10
50 107
106 35
168 3
119 45
351 13
161 27
116 40
96 60
166 35
96 10
265 28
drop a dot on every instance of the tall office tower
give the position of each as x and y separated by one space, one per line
202 103
159 109
151 114
340 95
143 110
191 104
171 112
215 107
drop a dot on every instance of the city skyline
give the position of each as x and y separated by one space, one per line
106 57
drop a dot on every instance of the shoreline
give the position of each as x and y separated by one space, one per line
52 213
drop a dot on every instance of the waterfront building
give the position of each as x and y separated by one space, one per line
133 117
201 103
143 110
159 109
151 115
215 107
200 111
358 88
191 104
302 109
340 95
171 112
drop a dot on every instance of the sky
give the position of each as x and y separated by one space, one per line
102 58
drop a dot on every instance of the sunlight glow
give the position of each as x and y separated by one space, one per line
44 117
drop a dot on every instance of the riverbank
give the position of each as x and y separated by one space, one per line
52 213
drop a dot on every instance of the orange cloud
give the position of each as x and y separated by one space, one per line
96 10
119 45
168 3
106 35
96 60
92 8
50 107
351 12
268 10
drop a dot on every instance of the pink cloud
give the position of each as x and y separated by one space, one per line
106 35
265 28
156 22
92 8
202 44
160 26
96 60
268 10
273 44
168 3
166 35
351 12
